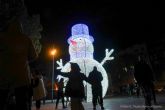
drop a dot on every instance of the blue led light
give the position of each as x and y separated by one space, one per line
80 30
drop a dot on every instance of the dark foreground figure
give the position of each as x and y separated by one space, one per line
16 52
75 88
144 77
95 79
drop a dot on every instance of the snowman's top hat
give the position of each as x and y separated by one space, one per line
80 30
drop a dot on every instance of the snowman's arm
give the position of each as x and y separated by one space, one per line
107 56
60 64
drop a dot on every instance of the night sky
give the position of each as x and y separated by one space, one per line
112 23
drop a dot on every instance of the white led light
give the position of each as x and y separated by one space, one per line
81 52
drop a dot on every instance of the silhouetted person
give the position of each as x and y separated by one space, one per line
16 52
45 83
39 91
137 90
95 79
75 88
131 88
60 92
144 77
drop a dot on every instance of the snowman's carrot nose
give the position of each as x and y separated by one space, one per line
74 43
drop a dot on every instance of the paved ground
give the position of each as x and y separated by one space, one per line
114 103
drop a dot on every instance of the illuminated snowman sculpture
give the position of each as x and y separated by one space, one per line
81 52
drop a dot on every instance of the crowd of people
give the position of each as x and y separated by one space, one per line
19 77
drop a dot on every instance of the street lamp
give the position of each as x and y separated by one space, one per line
53 53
